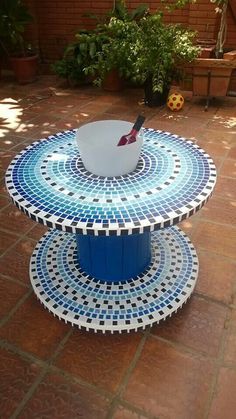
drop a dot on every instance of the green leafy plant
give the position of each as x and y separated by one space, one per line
115 53
121 12
79 55
159 49
68 69
14 17
96 52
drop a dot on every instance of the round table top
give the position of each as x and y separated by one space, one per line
173 179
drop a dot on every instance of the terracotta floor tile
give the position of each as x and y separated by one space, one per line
198 110
226 187
37 232
6 158
4 201
216 238
40 108
230 343
123 413
41 332
71 123
59 112
189 224
220 210
66 100
44 121
10 294
86 92
185 129
131 115
229 168
198 325
223 123
126 99
190 127
213 148
95 107
104 116
15 262
224 401
58 398
3 190
157 123
2 174
22 146
218 163
14 220
232 152
169 384
226 112
16 378
121 110
217 276
8 142
98 359
6 240
28 130
79 115
109 99
225 139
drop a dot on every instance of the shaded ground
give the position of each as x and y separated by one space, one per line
185 367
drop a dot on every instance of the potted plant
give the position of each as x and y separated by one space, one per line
95 55
211 76
113 63
157 51
14 16
79 55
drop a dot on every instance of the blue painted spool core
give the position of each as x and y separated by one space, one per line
114 258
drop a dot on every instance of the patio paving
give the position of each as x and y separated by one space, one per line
183 368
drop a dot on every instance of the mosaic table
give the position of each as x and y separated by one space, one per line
173 180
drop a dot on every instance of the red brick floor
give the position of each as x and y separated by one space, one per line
184 368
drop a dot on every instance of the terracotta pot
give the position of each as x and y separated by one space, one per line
112 81
207 52
211 77
25 68
207 47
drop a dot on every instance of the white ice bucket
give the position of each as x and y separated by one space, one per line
97 142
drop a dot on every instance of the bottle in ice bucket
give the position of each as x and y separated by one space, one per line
131 136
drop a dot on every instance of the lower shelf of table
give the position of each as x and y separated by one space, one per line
72 295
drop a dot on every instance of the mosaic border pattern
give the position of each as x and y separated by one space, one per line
75 297
173 180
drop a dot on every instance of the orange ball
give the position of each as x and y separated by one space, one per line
175 102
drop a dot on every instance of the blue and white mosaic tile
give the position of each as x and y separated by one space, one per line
174 179
72 295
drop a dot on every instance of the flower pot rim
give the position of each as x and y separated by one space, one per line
214 62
